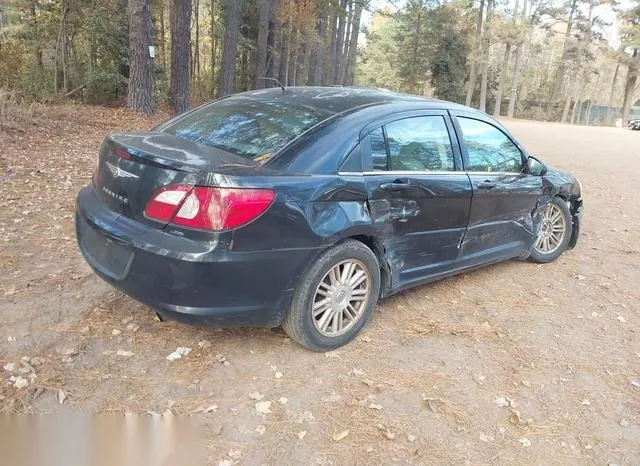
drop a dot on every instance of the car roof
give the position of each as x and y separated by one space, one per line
338 99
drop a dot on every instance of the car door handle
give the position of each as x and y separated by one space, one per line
486 185
396 185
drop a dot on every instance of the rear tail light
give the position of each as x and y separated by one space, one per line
208 208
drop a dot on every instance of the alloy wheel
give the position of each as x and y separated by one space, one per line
552 230
341 298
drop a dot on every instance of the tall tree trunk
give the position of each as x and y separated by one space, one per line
474 62
517 69
328 70
485 58
274 44
214 47
163 39
294 50
285 52
503 77
346 43
261 46
180 19
560 71
316 60
415 38
337 58
630 85
140 89
505 65
301 60
230 48
353 46
612 92
196 51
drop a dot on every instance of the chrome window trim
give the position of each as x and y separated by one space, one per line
426 172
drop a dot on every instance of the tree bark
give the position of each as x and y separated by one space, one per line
560 71
337 58
214 47
196 51
316 61
294 49
274 44
630 85
285 52
613 90
353 46
517 69
230 48
180 18
328 71
474 62
140 89
485 58
261 46
503 72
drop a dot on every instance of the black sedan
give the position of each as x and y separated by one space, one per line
302 207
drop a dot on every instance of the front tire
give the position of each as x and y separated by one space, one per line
335 297
554 234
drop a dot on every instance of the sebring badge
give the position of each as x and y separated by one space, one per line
119 172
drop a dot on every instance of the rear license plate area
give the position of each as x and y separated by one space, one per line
103 253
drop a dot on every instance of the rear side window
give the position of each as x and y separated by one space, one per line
247 127
420 144
488 148
378 149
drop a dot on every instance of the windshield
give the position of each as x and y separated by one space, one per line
248 127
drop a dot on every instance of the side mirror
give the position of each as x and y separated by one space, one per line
535 167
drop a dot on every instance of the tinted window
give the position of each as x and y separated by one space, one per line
489 149
246 127
378 149
420 144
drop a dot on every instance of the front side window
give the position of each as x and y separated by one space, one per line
489 149
420 144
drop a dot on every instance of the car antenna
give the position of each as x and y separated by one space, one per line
278 83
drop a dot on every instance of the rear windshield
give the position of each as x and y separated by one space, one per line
251 128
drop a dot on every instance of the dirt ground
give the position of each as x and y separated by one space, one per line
514 364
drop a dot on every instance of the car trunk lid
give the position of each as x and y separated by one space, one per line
133 166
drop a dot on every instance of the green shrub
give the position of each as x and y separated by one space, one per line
104 88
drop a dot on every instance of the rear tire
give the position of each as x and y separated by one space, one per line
335 297
554 234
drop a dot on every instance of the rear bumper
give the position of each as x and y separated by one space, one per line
196 282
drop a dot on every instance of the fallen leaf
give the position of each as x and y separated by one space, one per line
340 435
178 353
502 401
302 434
211 409
263 407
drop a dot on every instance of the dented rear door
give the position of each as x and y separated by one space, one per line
418 190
